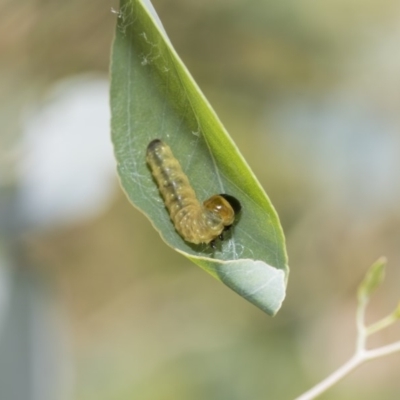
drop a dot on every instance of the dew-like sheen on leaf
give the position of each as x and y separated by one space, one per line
154 96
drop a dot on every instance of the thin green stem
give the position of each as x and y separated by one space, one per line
360 323
382 324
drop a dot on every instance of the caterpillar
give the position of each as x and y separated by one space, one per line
195 222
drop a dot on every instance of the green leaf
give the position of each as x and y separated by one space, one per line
154 96
372 279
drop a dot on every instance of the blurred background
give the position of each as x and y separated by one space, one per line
310 92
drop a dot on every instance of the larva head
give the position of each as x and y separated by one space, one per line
224 206
233 201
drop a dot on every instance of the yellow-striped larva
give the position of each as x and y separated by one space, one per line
195 222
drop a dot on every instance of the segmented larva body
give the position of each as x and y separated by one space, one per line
195 222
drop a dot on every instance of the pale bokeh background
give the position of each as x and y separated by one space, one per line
93 305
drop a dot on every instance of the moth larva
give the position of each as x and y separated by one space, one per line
195 222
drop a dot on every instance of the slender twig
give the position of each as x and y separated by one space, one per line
332 379
360 323
361 354
382 324
357 359
383 351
